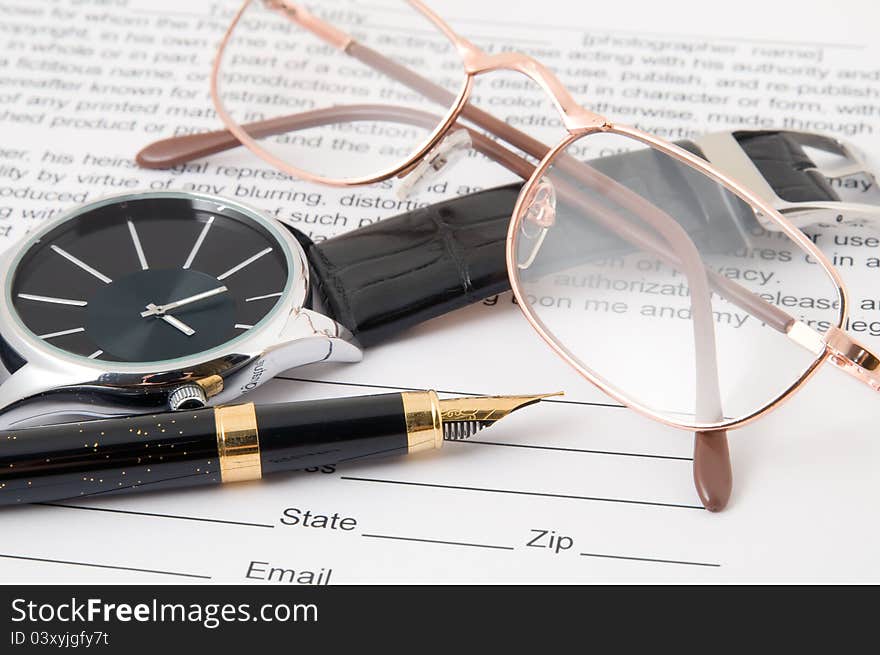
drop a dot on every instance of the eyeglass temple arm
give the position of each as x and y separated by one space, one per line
713 476
174 151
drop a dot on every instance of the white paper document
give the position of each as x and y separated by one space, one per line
577 489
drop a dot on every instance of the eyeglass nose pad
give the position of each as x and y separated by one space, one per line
451 149
538 217
541 210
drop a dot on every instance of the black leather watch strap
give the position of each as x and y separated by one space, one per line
403 270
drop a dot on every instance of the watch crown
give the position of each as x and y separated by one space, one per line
188 396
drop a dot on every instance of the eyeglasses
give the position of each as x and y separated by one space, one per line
674 289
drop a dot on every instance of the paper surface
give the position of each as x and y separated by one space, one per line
578 490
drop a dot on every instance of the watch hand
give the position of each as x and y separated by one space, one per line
159 310
180 325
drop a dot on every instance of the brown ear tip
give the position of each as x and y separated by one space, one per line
713 474
148 157
715 502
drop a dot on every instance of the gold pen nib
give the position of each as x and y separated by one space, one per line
464 417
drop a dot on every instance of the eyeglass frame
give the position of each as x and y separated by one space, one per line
837 346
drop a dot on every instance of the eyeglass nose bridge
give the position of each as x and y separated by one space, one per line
576 118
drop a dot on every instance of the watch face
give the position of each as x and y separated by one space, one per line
150 279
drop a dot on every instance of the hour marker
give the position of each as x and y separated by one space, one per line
62 333
268 295
137 246
198 244
57 301
81 264
246 262
243 326
96 354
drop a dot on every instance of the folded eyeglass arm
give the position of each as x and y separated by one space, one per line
178 150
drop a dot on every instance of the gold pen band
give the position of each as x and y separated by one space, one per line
424 425
238 443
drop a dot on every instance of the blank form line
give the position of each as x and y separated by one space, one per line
585 403
437 541
651 559
105 566
517 492
155 515
455 393
695 37
164 12
471 35
134 485
559 26
571 450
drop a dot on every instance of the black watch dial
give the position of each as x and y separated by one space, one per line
148 280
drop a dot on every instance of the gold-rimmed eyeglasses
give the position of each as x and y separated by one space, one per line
661 280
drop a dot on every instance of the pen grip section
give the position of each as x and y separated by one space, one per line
304 434
108 456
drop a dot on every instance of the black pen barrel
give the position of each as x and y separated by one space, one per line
109 456
313 433
210 446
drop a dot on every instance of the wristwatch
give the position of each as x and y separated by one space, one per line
174 300
149 301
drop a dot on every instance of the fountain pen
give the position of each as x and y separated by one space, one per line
232 443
